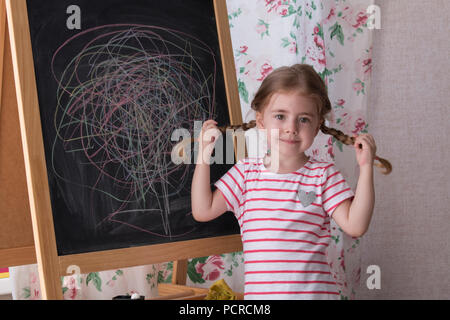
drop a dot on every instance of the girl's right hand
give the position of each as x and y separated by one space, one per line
207 139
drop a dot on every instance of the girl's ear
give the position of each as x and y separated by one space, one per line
259 120
318 127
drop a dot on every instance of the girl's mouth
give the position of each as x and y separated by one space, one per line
290 141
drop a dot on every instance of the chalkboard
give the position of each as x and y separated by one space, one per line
114 80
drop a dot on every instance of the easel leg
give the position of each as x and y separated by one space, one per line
179 272
33 150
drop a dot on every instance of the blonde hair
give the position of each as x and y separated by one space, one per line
301 78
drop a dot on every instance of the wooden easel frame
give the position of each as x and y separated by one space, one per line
51 266
16 234
2 42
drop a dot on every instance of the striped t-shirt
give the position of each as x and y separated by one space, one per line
285 226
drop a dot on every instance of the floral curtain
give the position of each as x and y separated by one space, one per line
332 36
104 285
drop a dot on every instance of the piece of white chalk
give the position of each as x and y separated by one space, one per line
135 296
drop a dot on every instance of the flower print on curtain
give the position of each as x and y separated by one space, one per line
264 35
205 269
203 272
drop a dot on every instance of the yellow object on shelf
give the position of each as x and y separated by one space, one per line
220 291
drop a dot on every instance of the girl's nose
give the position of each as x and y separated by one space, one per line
291 128
294 132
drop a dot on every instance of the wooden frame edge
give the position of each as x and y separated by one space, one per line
229 72
13 257
2 44
33 149
227 58
144 255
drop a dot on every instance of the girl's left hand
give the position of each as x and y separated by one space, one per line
366 155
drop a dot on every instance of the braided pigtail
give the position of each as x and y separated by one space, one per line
337 134
345 139
244 126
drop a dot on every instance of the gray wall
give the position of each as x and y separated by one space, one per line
408 114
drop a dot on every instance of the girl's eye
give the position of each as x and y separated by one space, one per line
281 117
306 120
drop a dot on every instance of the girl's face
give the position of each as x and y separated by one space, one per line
297 119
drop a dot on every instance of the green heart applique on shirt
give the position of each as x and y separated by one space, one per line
306 198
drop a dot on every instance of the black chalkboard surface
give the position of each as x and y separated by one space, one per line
111 92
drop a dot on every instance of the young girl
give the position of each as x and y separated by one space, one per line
284 208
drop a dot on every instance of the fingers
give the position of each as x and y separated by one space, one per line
366 140
210 131
209 123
